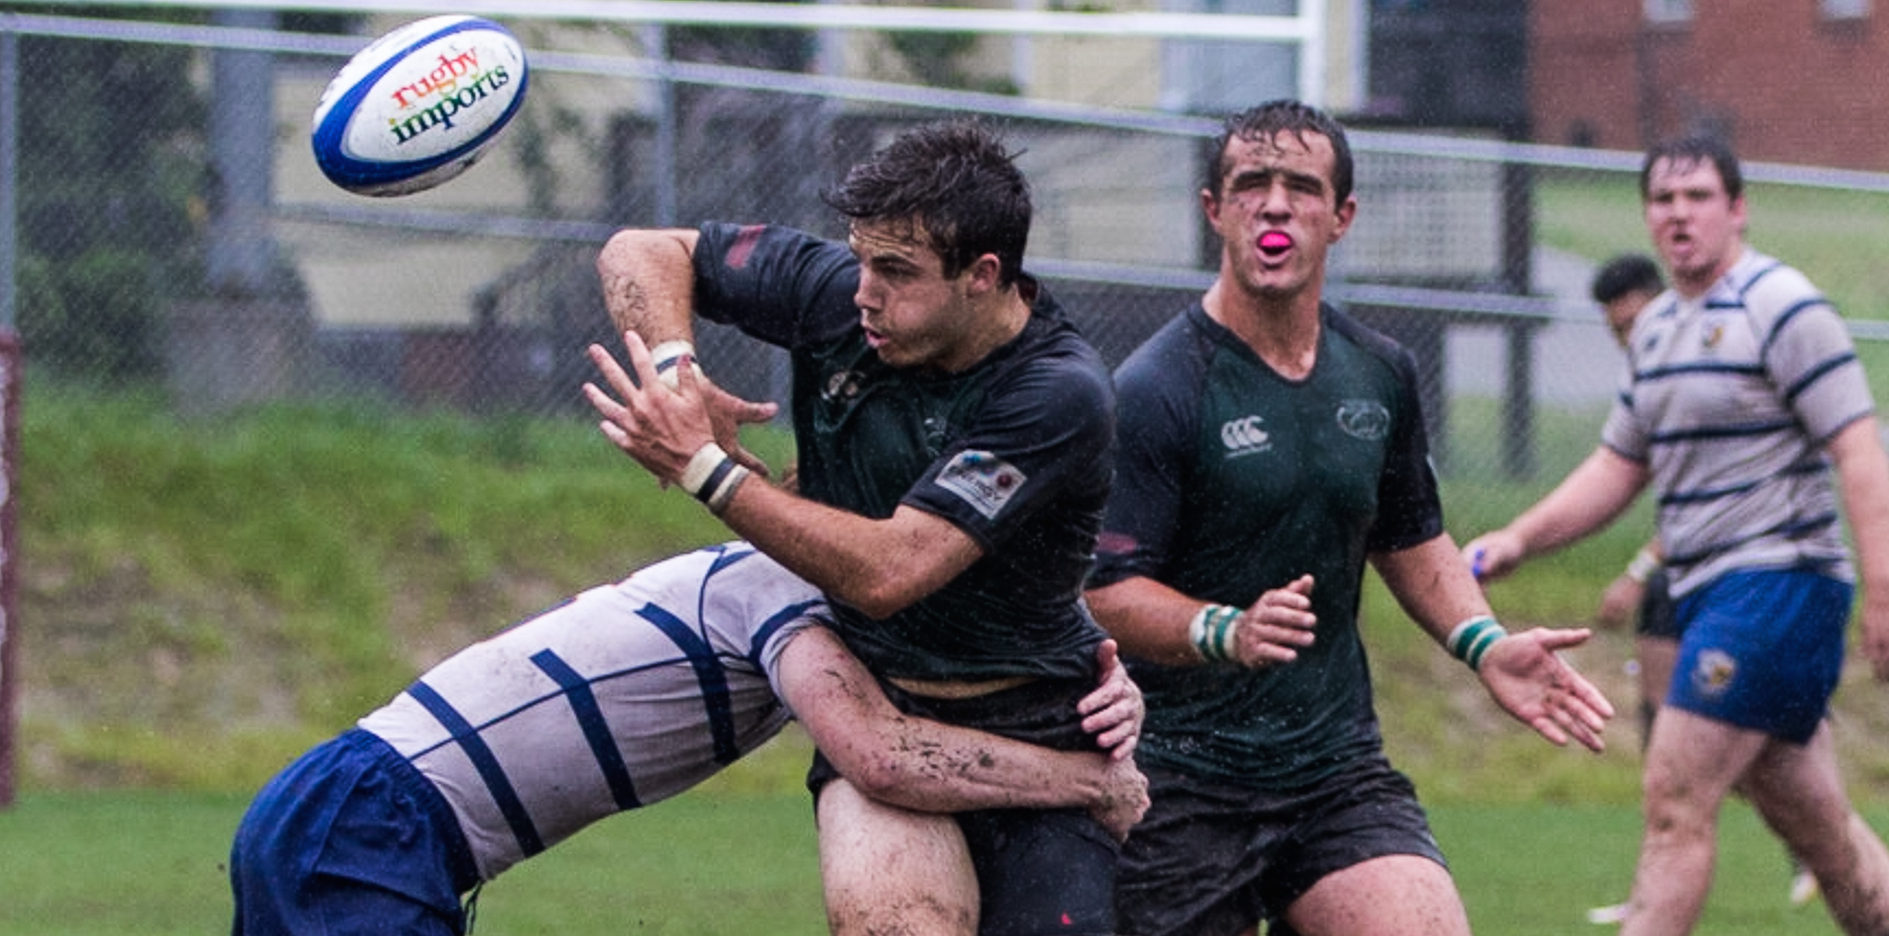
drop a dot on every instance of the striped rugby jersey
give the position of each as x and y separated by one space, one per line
625 695
1731 398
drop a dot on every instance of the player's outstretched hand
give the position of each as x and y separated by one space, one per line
727 413
1525 675
663 427
1124 799
1493 555
1113 712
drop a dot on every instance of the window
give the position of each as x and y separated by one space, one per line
1669 11
1843 9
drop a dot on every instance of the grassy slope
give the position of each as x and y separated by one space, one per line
202 600
199 600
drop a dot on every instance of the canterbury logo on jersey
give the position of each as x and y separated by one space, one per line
1245 436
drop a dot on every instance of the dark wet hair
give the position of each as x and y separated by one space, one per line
1695 149
954 180
1283 116
1625 273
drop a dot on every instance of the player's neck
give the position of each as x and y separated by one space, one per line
1282 330
1004 318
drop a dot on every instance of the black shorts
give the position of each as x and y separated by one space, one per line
1210 859
1040 872
1659 614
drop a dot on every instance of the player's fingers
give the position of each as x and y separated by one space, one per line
613 373
750 461
605 405
640 361
749 412
1546 726
1564 638
1124 749
1578 715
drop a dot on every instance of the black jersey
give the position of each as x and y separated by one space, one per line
1232 480
1015 451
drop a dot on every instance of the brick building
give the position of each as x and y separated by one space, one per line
1795 81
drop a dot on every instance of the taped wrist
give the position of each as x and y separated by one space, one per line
669 354
1214 632
1642 567
712 477
1471 640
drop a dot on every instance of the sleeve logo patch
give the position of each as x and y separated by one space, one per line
983 480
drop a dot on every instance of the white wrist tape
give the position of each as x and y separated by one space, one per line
1643 566
712 477
701 468
667 355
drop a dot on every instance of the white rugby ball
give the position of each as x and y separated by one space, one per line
419 106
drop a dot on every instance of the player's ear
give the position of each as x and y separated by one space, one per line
1210 206
985 272
1345 213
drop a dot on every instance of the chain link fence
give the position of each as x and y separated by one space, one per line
169 227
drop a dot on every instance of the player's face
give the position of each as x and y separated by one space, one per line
1277 214
913 315
1697 228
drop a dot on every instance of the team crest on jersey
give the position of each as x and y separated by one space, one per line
1246 435
1364 419
1712 335
1714 673
983 480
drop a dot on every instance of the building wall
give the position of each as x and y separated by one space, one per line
1782 80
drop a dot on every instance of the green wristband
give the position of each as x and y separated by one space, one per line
1471 640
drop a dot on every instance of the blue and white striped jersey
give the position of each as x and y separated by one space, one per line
625 695
1730 402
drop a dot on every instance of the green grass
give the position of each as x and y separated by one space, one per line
202 599
731 858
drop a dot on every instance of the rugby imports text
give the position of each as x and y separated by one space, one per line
455 85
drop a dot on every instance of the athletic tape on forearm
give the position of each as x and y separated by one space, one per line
1471 640
667 355
1643 566
1214 631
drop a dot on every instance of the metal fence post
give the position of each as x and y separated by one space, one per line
9 400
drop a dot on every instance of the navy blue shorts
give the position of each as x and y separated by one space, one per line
350 839
1211 859
1763 650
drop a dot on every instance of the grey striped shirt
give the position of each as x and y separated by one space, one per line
1731 398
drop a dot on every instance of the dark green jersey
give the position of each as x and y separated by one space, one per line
1232 480
1015 451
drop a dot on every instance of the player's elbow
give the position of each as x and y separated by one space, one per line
879 775
881 601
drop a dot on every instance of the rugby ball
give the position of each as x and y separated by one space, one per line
419 105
